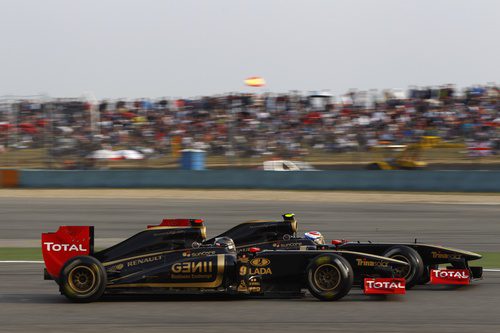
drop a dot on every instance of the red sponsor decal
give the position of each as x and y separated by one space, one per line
67 242
384 286
450 276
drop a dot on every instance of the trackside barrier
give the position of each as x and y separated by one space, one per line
9 178
442 181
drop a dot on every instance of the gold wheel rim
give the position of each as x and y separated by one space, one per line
82 279
405 271
326 277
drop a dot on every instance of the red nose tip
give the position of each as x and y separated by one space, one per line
254 249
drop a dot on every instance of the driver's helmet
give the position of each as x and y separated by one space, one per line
315 236
225 242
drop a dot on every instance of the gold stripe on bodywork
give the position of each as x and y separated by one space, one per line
468 253
369 255
212 284
361 254
259 221
126 276
143 256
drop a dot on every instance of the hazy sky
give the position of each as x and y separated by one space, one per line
186 48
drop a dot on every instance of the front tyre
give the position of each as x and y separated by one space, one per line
83 279
426 277
413 273
329 277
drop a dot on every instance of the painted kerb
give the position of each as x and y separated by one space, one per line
464 181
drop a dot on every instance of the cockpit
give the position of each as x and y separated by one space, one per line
225 242
257 231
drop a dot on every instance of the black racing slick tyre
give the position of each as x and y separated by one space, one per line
413 273
329 277
426 277
83 279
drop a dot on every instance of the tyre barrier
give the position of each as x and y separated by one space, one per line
9 178
367 180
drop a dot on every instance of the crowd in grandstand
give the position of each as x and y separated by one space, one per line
248 125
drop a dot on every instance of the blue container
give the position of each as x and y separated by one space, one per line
192 159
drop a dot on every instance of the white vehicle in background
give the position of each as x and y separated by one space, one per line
284 165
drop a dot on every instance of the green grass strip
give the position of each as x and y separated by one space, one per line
489 260
20 253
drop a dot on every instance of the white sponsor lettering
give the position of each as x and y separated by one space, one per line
384 285
444 274
51 246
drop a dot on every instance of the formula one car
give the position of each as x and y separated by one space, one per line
423 259
174 257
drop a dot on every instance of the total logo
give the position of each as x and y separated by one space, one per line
385 285
51 246
450 274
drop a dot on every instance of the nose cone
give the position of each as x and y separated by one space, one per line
472 256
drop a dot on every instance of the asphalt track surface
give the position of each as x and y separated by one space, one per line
29 304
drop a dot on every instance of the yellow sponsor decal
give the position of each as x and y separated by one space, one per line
243 259
219 276
439 255
260 271
141 261
260 262
198 254
193 267
242 286
370 263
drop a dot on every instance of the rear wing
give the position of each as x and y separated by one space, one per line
67 242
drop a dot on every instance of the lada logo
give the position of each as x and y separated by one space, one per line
51 246
260 270
260 262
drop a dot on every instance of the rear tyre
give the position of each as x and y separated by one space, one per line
83 279
329 277
413 273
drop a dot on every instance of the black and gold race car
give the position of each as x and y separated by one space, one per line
175 257
423 259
